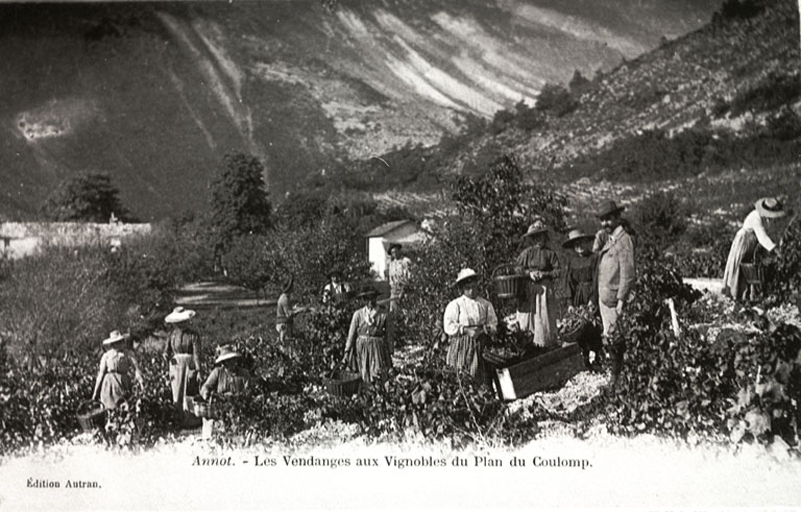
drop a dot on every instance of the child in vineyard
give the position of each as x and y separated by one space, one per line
113 385
581 281
537 311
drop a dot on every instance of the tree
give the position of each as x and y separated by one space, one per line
87 197
578 84
239 203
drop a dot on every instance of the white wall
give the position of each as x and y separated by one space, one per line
377 255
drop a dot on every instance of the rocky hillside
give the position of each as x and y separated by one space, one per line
155 94
693 79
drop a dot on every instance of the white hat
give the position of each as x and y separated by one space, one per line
770 207
113 337
226 353
465 273
179 314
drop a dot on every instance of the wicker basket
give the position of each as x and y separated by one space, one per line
342 383
91 415
573 335
203 409
508 285
753 273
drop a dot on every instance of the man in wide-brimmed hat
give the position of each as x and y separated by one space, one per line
749 238
398 272
467 321
616 272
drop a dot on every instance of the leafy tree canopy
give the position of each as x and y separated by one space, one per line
87 197
239 202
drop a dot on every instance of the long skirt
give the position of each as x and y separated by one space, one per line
537 314
183 380
114 388
465 354
372 358
742 250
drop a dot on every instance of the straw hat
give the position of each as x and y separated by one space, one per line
465 274
574 236
113 337
287 287
537 227
179 314
770 207
225 353
609 208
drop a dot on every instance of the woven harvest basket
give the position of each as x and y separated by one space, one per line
508 285
342 383
91 415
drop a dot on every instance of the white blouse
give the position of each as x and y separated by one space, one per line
754 223
465 311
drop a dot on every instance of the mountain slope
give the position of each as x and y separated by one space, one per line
155 94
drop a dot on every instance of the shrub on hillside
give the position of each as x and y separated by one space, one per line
556 100
770 93
662 219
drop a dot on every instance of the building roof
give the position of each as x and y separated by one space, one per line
383 229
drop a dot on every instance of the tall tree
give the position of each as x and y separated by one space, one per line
87 197
239 200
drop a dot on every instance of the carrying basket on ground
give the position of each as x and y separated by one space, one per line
508 284
204 408
91 415
575 329
340 382
753 271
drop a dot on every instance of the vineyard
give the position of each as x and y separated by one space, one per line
723 372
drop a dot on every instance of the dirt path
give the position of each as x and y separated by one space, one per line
210 294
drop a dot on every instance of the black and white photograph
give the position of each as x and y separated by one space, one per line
406 254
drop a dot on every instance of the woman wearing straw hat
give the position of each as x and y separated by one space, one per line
228 377
369 342
183 353
751 235
113 384
537 311
467 321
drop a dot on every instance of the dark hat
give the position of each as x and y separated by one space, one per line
608 208
574 236
334 272
367 292
287 287
394 246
